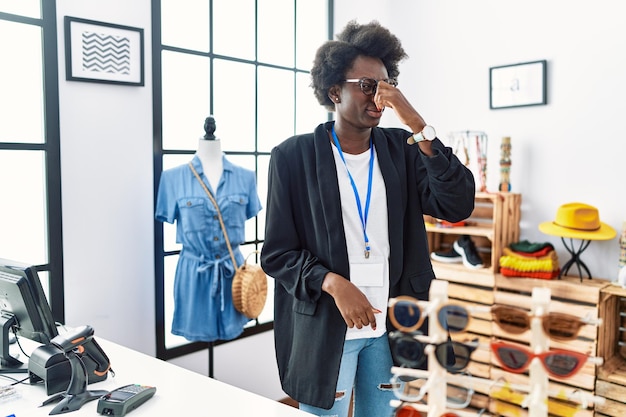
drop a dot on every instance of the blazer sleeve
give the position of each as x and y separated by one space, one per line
446 186
284 256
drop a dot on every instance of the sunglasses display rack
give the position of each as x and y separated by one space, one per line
548 364
437 375
538 396
539 343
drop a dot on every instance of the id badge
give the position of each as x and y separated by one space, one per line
368 272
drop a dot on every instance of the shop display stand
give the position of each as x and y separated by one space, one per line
538 384
437 392
575 259
539 343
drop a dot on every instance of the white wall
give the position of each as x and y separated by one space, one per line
106 168
569 150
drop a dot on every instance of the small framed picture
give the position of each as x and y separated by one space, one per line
518 85
103 52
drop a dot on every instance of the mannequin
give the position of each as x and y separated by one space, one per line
210 153
203 305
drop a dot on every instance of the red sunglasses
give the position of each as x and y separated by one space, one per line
558 363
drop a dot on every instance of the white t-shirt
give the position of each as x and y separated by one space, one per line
376 228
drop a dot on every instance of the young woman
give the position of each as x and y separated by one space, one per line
345 228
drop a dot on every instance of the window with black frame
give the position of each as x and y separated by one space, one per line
246 63
30 211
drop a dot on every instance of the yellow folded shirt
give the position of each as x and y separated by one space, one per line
527 265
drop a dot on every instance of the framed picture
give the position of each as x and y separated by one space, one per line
518 85
103 52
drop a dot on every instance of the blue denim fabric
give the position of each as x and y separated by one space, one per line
203 306
366 368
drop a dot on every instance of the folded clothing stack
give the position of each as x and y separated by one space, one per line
530 260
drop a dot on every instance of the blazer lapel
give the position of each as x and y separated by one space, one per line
331 205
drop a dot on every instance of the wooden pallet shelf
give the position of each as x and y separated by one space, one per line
493 225
611 381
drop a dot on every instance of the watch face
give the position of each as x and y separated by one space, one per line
429 132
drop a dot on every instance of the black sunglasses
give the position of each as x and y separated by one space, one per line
407 350
369 85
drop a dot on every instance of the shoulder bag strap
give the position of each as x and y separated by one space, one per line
219 213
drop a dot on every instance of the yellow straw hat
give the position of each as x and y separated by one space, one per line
578 221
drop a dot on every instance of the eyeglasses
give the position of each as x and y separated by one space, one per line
559 404
407 314
369 85
458 394
558 363
557 326
501 388
407 350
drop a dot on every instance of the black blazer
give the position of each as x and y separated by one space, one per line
305 239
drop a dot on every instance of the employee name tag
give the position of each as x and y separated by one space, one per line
368 272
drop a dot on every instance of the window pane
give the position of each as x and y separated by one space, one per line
311 30
233 28
194 16
276 32
171 341
276 107
23 208
185 99
44 277
309 113
234 104
169 230
263 164
267 315
248 162
21 115
29 8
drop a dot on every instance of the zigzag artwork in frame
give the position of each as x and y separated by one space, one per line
102 52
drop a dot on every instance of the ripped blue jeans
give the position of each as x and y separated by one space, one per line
366 369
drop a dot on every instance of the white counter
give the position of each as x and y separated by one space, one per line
180 392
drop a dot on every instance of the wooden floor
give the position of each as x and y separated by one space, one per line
289 401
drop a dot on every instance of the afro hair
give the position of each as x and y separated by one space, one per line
335 57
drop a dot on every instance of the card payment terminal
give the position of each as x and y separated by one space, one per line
124 399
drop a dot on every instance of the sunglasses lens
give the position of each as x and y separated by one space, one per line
511 320
408 389
368 86
561 326
407 314
562 364
453 318
513 359
407 351
457 396
453 356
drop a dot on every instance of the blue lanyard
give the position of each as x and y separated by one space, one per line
356 191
